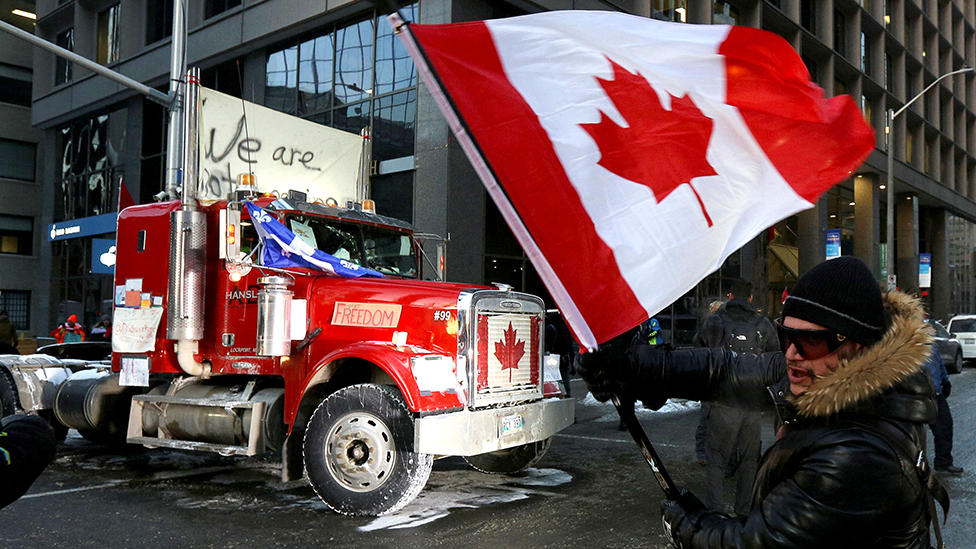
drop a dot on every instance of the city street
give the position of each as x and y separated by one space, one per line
592 489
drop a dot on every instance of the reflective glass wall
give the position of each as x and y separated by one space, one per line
352 76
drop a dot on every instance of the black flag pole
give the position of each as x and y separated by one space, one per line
650 455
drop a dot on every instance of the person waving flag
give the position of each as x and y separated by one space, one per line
631 156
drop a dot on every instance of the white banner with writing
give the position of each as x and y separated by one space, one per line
134 330
284 152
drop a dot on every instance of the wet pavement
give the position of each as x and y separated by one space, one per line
592 489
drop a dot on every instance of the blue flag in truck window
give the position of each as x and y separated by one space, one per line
282 248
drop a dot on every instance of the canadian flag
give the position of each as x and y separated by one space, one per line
631 156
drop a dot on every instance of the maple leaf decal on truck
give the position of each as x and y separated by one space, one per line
509 352
661 149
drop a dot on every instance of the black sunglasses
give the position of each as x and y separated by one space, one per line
810 344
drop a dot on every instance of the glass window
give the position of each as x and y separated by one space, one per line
216 7
281 80
811 66
15 85
393 194
394 68
354 62
108 35
939 330
724 14
840 33
17 159
17 305
89 174
224 78
889 72
315 75
961 239
62 67
393 125
159 20
16 234
808 15
840 215
962 325
352 118
865 54
670 10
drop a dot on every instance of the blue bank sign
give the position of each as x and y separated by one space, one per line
86 226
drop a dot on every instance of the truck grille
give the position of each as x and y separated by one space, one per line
506 356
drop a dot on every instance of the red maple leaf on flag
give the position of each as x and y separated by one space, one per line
659 148
510 352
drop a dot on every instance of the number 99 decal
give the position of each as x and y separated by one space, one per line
442 316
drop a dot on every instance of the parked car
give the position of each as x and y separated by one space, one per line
963 327
949 347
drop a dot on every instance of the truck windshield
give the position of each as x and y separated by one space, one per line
386 250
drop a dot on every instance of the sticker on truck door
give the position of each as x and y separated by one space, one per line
366 315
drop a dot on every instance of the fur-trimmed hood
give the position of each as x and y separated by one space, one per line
898 356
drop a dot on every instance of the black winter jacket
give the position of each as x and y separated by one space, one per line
840 474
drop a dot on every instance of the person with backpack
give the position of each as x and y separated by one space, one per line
69 332
729 437
850 388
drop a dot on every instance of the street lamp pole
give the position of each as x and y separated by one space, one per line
890 125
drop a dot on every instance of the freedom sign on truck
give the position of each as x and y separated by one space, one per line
284 152
631 156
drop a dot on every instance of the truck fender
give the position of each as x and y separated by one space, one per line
393 361
36 379
387 365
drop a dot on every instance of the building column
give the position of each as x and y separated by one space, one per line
811 238
445 181
699 12
867 221
906 239
937 242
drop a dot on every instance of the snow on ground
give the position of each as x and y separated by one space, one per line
465 489
610 413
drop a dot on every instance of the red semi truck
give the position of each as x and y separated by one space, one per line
360 383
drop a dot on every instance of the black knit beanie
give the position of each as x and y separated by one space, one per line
842 295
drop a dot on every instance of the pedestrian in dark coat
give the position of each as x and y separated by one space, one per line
847 468
560 342
942 426
730 438
27 446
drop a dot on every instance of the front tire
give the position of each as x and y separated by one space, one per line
956 363
510 460
359 454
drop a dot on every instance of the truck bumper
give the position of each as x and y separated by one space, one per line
468 433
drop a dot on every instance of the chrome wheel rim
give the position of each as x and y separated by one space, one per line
360 452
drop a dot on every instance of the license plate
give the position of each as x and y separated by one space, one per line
969 341
511 424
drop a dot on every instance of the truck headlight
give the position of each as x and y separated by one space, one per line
434 374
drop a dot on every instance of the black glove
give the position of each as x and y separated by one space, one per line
605 370
946 388
680 518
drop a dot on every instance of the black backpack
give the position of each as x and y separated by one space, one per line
743 336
